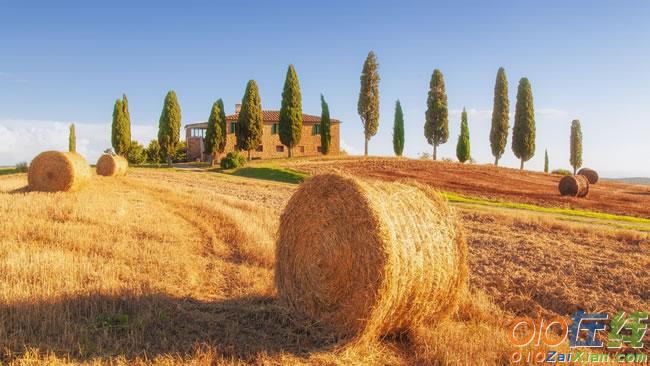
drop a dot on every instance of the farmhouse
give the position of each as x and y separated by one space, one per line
271 147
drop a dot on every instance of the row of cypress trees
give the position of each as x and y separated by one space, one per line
248 131
436 126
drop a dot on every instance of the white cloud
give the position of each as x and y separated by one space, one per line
21 140
350 149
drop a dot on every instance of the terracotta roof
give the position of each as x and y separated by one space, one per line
270 116
274 116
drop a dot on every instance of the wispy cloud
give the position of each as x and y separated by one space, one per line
21 140
7 76
472 113
551 113
481 114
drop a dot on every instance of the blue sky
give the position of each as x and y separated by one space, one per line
66 61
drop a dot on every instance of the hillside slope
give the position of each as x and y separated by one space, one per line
487 181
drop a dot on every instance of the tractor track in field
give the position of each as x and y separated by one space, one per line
219 232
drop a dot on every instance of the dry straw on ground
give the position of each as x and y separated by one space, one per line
112 165
53 171
591 175
576 186
369 258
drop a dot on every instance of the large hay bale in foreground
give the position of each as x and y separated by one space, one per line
112 165
54 171
574 185
369 258
591 175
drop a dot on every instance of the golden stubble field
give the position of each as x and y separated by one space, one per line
166 267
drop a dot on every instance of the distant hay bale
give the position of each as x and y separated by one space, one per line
591 175
369 258
574 185
112 165
54 171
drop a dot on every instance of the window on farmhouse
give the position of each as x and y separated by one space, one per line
302 149
274 129
319 149
232 127
279 148
316 130
198 132
260 148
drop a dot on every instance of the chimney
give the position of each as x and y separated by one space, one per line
237 108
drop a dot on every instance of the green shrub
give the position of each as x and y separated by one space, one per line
153 152
22 167
136 153
180 154
561 172
233 160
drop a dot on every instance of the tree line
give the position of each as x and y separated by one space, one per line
436 125
248 129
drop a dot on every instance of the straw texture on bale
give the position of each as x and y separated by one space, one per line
591 175
112 165
54 171
369 258
574 185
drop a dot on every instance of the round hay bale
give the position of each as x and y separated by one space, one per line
112 165
369 258
54 171
574 185
591 175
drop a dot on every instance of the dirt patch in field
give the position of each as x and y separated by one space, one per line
487 181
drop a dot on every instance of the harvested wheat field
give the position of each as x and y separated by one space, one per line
169 267
489 182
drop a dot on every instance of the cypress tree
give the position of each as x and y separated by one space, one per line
398 130
325 134
169 126
463 147
523 132
368 104
127 119
545 161
500 110
72 139
290 123
215 135
249 124
436 126
121 127
576 145
222 139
